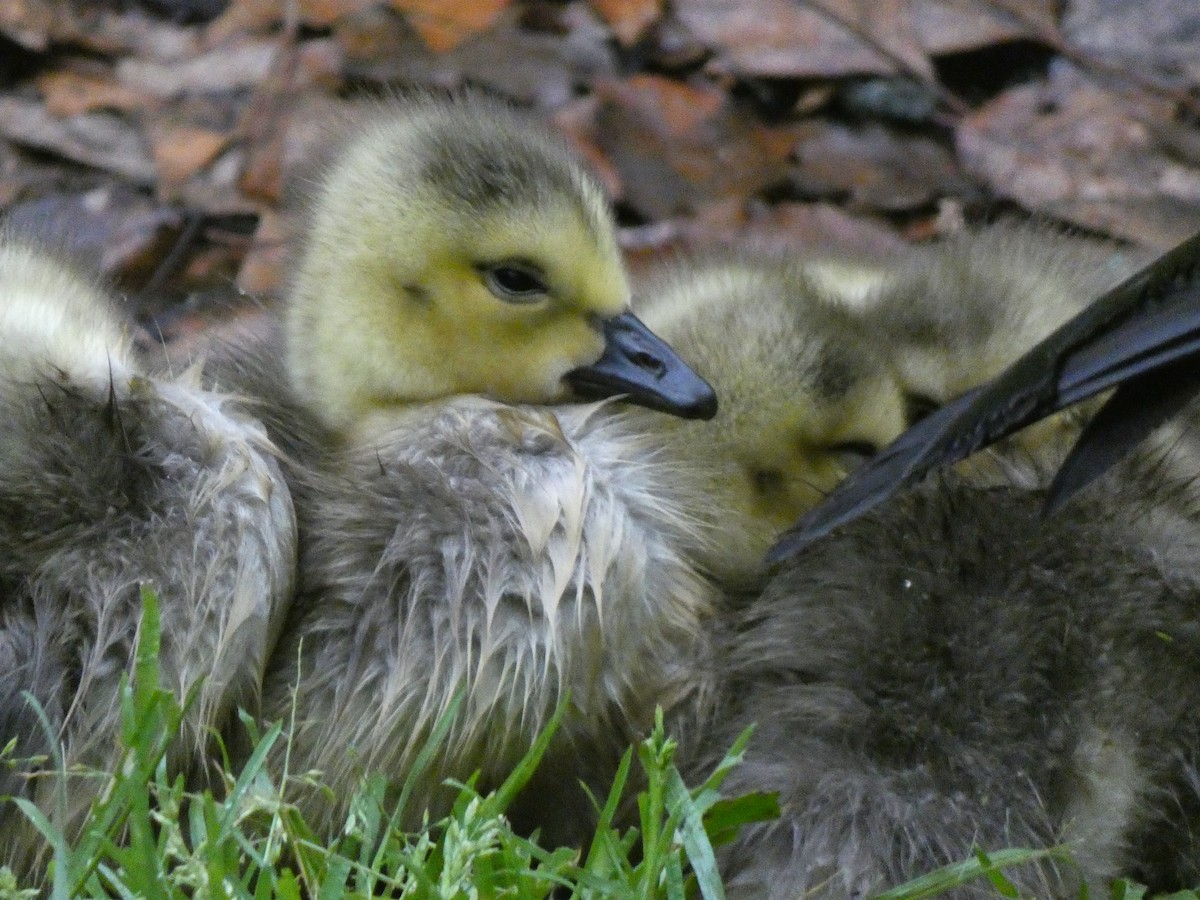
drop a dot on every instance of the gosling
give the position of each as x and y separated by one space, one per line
458 266
112 480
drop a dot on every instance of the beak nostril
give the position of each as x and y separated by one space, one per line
649 362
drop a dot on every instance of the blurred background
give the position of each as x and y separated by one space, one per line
159 139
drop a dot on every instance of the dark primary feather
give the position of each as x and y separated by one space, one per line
1149 322
1135 409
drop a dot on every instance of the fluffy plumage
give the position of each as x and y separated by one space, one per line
515 554
453 542
804 396
954 670
431 204
111 479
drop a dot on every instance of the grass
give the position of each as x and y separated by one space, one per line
147 836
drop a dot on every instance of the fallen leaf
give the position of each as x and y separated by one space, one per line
99 139
27 22
444 24
262 175
679 107
113 228
244 17
318 62
955 26
323 13
791 228
1151 36
577 121
873 167
70 93
182 150
679 145
263 268
536 68
106 31
629 19
780 38
374 40
1071 149
261 16
813 227
223 68
217 188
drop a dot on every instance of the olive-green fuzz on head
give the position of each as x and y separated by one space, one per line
454 247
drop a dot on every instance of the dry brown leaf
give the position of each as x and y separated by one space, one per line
228 67
323 13
319 62
629 19
113 228
102 30
99 139
374 38
809 227
262 175
795 228
260 16
540 69
263 268
674 107
444 24
182 150
952 26
68 93
1072 150
27 22
577 121
780 38
885 25
244 17
1150 37
874 167
217 188
677 146
828 38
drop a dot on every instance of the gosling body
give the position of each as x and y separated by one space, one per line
111 480
954 670
518 555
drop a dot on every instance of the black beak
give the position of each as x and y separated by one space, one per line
639 363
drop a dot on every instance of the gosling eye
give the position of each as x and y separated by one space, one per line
515 282
852 454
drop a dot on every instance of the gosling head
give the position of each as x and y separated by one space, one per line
455 247
56 321
955 314
805 397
